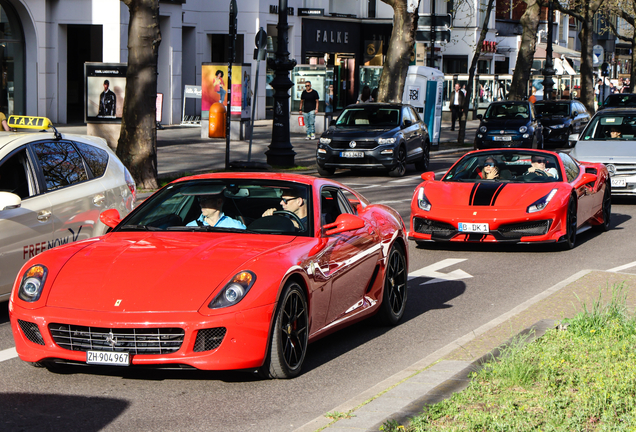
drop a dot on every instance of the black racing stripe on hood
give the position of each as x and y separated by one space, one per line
472 194
485 194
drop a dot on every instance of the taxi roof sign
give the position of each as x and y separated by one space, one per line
29 122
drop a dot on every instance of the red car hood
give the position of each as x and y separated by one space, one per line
501 195
154 272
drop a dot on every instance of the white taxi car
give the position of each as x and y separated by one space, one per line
52 189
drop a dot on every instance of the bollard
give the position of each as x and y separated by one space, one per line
216 122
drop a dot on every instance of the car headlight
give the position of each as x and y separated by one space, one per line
483 129
32 283
422 201
541 203
557 126
386 140
325 140
234 291
522 129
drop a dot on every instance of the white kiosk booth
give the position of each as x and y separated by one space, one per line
423 89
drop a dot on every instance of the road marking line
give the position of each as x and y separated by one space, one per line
406 179
8 354
623 267
436 276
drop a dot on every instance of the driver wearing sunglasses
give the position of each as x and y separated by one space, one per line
291 201
538 163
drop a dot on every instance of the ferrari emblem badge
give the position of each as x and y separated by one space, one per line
118 302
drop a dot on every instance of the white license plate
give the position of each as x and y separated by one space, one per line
473 227
502 138
108 358
352 154
619 182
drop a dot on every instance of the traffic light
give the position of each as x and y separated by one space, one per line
605 69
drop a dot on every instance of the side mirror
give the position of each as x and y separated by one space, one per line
332 123
573 137
574 114
407 123
345 222
9 201
479 116
429 175
110 218
585 179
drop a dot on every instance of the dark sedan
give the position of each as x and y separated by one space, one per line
619 100
372 136
561 118
509 124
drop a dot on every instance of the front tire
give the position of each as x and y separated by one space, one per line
571 225
288 344
400 164
395 288
606 209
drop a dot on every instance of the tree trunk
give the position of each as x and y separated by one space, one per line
137 145
399 52
471 73
587 71
530 24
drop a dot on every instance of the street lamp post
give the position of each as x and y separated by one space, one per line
548 70
231 53
281 151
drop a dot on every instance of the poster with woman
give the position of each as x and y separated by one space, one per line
214 88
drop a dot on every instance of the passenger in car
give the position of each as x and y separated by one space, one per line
212 213
490 169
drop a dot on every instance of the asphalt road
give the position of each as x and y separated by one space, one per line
489 280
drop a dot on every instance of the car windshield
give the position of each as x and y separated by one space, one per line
620 100
552 109
507 111
506 166
226 205
369 116
610 127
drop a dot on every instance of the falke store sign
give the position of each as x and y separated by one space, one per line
326 36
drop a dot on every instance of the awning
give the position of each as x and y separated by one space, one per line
558 66
558 51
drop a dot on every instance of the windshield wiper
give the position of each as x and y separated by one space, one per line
139 228
210 229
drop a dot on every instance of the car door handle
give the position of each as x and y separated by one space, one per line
98 199
44 215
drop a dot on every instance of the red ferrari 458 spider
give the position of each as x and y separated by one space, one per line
510 195
220 271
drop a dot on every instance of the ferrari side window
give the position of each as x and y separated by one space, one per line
571 168
329 206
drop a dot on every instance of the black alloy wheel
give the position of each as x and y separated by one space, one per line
606 209
288 344
400 163
422 164
395 287
571 224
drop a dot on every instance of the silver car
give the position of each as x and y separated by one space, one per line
52 190
610 138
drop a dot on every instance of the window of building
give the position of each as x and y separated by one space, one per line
12 85
456 64
221 48
371 8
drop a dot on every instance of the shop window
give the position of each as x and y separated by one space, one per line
455 64
371 8
221 48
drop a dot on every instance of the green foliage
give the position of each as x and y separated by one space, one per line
337 415
581 377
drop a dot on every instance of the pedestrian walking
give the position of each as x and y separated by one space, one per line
308 106
456 105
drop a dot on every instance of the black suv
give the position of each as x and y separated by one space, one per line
372 136
509 124
560 119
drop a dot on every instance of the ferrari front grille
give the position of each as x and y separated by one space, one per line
31 331
426 226
131 340
209 339
519 230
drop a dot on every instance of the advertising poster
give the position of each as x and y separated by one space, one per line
214 88
105 86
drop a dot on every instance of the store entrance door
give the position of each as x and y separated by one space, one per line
344 74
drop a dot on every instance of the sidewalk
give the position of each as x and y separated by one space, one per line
181 150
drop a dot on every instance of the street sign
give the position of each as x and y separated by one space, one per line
427 21
597 55
440 36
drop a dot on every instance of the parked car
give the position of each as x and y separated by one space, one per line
168 286
514 196
610 138
52 189
509 124
619 100
560 119
372 136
